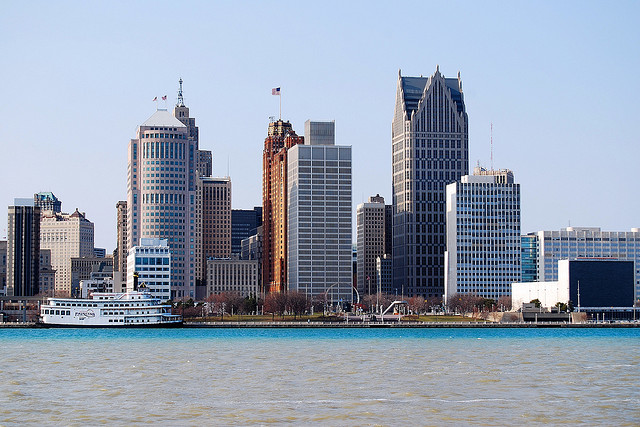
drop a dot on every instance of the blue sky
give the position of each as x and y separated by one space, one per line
558 80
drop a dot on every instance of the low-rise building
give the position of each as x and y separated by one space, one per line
585 282
232 275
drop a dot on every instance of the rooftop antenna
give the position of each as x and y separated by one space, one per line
228 161
491 145
180 98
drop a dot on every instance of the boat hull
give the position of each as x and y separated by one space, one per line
113 326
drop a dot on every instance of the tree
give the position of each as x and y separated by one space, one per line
250 304
297 303
417 304
276 303
504 302
536 302
465 303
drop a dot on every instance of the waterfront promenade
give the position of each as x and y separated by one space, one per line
386 324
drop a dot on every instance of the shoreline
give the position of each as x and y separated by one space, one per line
367 325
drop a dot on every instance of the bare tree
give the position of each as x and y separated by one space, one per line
504 302
416 304
297 303
276 303
465 303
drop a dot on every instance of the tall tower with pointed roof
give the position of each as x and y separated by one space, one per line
430 149
161 191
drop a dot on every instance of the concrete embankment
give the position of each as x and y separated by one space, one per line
406 325
373 325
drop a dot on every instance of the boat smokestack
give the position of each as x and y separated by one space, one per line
135 281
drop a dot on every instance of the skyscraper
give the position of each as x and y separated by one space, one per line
430 149
23 248
204 162
244 224
370 219
161 190
120 254
214 195
67 236
3 267
47 201
319 235
280 139
483 235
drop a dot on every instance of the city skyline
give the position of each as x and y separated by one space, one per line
78 88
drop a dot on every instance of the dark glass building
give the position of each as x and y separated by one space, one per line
529 257
244 223
23 248
430 149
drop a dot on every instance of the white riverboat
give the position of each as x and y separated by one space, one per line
108 309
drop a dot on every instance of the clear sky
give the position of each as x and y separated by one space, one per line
558 79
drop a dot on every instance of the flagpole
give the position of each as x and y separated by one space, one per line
280 117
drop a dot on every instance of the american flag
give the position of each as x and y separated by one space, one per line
275 91
164 98
155 99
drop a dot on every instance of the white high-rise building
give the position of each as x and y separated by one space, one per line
319 217
161 195
152 261
483 235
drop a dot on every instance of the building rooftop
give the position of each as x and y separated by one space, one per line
413 88
163 118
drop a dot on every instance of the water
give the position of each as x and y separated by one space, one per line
320 377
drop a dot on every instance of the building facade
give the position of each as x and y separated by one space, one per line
47 201
161 195
280 139
82 268
204 163
370 226
384 268
3 267
151 260
430 149
319 229
122 245
529 258
232 275
580 242
388 229
47 279
252 249
23 249
581 283
67 236
214 196
483 235
244 223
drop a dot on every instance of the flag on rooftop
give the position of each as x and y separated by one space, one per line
155 99
164 98
275 91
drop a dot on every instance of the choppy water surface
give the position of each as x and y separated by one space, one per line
321 377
